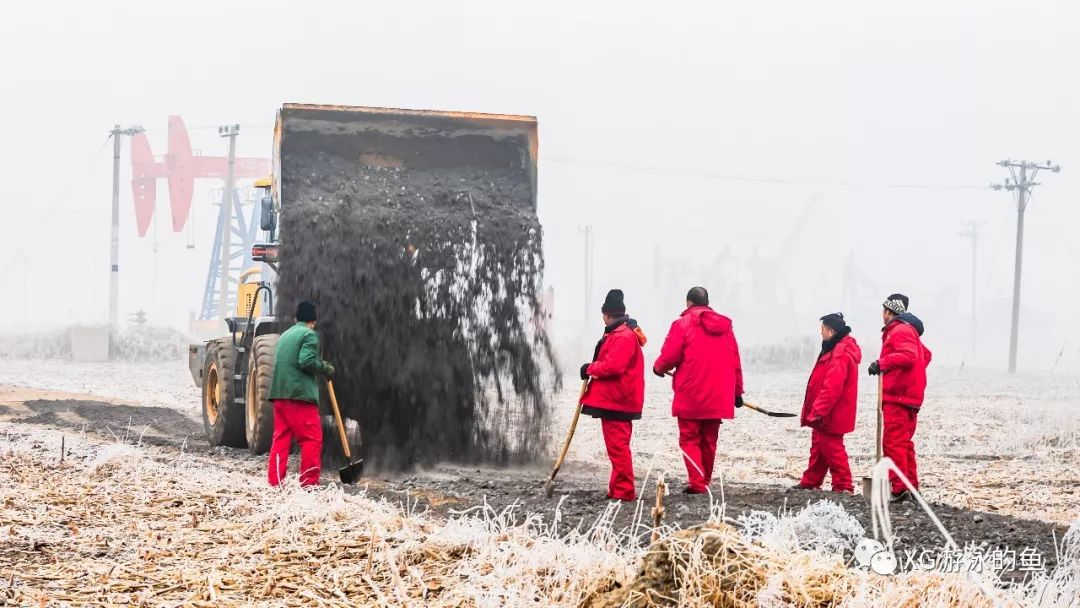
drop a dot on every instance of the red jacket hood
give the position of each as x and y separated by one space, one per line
832 391
847 347
711 321
630 325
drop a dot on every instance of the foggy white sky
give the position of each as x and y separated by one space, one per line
645 110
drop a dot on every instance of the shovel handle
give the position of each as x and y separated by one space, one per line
768 413
337 419
749 405
569 433
755 408
880 399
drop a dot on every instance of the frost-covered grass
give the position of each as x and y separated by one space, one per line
142 525
986 441
122 524
157 383
136 343
786 355
823 527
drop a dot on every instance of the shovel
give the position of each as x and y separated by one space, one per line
767 412
352 470
549 486
760 410
868 482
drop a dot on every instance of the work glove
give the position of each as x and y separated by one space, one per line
658 373
738 400
328 370
875 369
584 372
816 422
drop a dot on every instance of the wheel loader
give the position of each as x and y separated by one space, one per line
235 371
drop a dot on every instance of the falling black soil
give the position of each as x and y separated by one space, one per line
582 498
427 283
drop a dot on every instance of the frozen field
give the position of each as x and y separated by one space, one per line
174 522
986 440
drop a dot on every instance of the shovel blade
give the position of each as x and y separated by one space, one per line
352 472
867 488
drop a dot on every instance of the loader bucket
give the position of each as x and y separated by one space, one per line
416 234
409 139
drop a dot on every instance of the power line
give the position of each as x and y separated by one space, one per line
973 233
230 132
114 241
587 265
758 179
31 235
989 274
209 128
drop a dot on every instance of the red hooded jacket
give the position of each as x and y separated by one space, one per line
903 361
618 373
701 348
833 390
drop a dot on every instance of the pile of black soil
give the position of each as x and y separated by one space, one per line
427 283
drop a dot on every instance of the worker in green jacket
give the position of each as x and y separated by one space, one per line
295 395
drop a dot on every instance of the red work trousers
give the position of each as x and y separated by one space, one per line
827 455
617 439
296 420
898 429
697 438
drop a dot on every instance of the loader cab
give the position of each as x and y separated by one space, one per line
249 304
255 289
267 212
235 371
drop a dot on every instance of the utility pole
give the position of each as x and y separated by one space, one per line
588 267
229 131
114 238
1023 180
973 233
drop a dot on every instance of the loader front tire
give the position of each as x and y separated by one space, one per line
223 418
260 412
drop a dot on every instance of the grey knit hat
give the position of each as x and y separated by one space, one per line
897 302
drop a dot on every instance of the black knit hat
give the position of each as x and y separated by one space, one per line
897 302
305 312
613 303
834 321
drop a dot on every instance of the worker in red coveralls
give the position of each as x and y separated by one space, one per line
708 383
616 391
295 394
902 366
829 405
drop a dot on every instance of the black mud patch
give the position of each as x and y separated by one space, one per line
427 283
156 425
448 490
